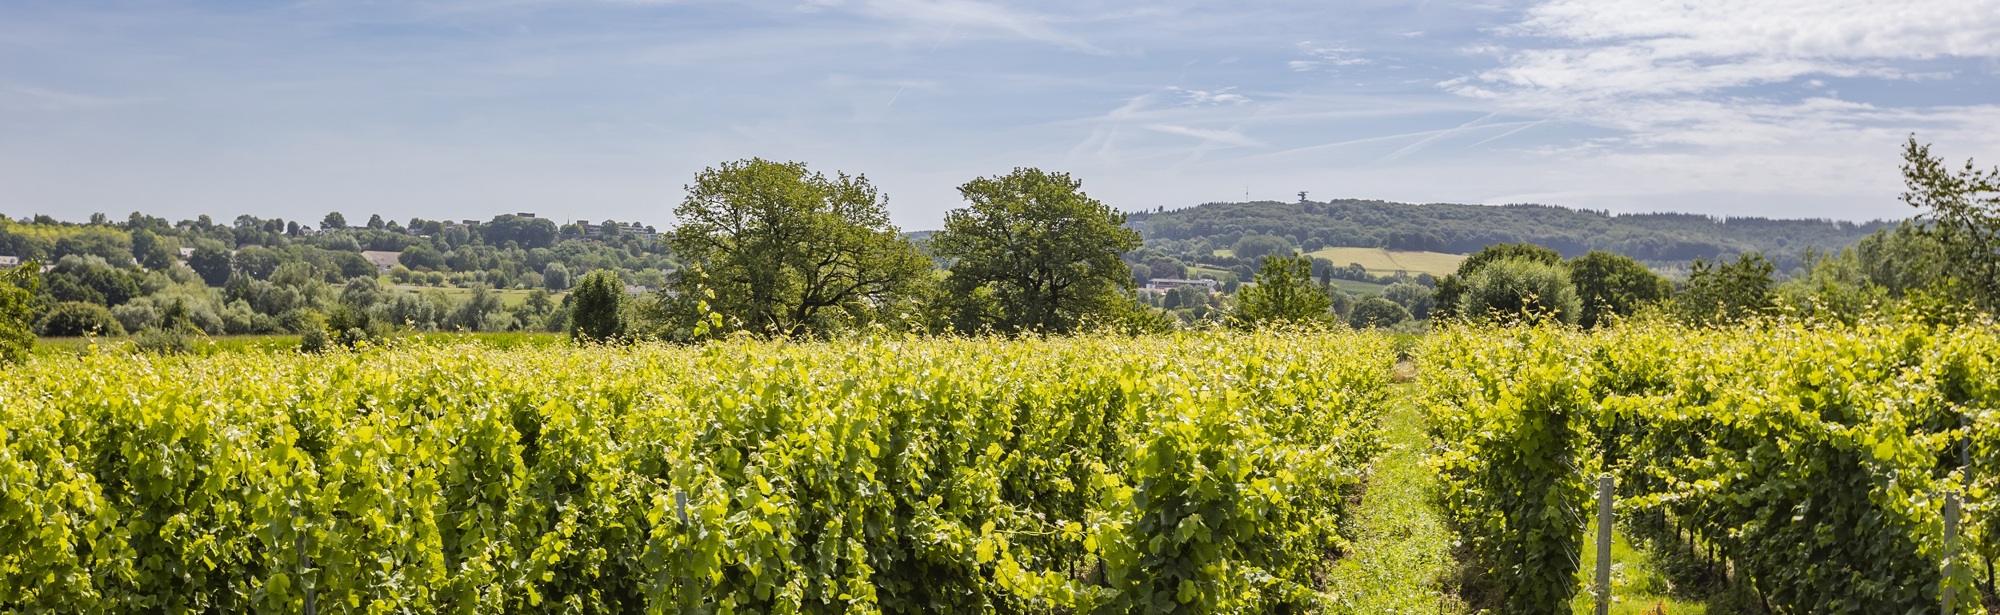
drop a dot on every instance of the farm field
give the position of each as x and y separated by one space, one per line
1381 261
1350 286
509 297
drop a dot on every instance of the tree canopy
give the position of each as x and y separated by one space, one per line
785 250
1448 298
1284 293
595 314
17 311
1960 210
1045 252
1727 292
1613 285
1520 289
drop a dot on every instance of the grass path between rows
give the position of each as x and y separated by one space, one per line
1402 549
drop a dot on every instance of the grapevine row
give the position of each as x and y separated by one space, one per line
1195 473
1813 460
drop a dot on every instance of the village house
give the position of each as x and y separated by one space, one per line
383 260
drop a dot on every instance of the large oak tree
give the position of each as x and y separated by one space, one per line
775 248
1044 252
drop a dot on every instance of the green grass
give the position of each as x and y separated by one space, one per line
1351 286
1379 261
1197 271
1637 585
203 345
511 339
1401 551
50 346
508 296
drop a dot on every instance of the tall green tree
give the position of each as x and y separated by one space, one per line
596 314
1960 209
1513 290
1415 298
1251 247
1046 253
1727 292
1902 259
333 222
555 277
1613 285
152 252
784 250
1448 298
211 261
1284 294
18 287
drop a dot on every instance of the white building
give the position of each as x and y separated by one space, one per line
1173 283
382 259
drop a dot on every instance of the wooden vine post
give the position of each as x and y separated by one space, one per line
1951 512
1604 496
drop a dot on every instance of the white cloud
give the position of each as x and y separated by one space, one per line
1225 137
1325 56
1852 29
1684 91
1642 47
1199 98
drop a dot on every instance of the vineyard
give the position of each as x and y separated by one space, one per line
1810 464
1196 473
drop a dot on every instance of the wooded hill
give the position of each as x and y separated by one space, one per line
1454 228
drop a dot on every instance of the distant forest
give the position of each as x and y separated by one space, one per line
1661 239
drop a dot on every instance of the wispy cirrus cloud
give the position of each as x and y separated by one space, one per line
55 100
1207 135
972 17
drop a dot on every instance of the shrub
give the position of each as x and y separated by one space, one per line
594 315
555 277
17 301
72 319
1520 289
1614 285
136 316
1285 293
1377 312
164 340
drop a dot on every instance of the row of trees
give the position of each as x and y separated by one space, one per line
1194 233
1946 259
774 248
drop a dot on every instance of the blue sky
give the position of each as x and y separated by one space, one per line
600 109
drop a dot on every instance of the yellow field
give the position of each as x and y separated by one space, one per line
1380 261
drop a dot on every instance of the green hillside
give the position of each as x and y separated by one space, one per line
1463 229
